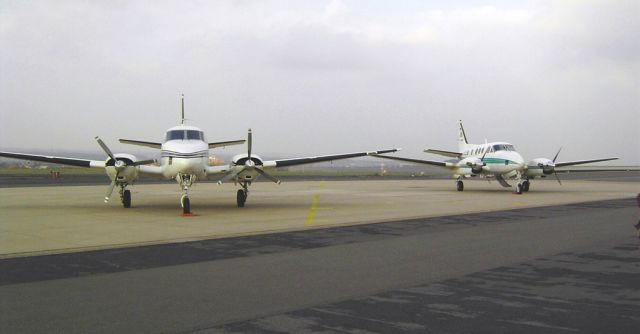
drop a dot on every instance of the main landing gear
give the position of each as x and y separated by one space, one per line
242 194
460 185
522 186
125 197
185 181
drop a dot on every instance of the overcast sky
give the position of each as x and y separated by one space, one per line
320 77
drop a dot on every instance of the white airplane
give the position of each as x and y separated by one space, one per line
184 158
498 160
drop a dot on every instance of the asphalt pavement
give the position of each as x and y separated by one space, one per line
554 269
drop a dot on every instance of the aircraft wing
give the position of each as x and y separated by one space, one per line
226 143
310 160
56 160
417 161
445 153
579 162
141 143
212 170
588 170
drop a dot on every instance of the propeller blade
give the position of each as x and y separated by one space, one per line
557 178
105 148
271 178
249 144
143 162
230 176
110 190
556 157
483 154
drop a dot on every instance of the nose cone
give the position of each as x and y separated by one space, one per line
517 159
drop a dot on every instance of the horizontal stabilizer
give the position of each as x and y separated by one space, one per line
141 143
226 143
445 153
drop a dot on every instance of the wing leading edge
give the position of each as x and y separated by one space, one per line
310 160
56 160
580 162
417 161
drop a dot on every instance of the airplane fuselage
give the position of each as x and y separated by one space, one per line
184 152
490 158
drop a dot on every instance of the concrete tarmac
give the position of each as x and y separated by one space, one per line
552 269
50 220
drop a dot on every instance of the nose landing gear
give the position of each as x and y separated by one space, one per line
185 181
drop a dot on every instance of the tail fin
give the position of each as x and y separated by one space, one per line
182 101
462 138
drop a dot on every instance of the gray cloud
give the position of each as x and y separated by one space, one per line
323 77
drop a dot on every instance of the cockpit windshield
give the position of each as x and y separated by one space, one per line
196 135
503 147
185 134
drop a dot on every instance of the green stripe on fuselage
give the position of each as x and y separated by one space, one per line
498 161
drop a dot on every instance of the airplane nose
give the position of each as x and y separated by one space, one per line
519 160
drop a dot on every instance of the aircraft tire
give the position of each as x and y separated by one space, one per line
525 186
241 198
126 199
460 185
186 206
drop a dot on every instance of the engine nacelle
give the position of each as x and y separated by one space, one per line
121 168
540 167
475 165
242 159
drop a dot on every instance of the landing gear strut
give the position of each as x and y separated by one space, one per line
519 188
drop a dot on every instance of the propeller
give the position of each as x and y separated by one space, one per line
476 168
551 167
249 164
554 165
119 165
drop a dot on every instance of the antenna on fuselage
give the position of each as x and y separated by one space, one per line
182 101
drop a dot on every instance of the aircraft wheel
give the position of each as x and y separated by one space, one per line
525 186
519 189
460 185
186 206
241 197
126 199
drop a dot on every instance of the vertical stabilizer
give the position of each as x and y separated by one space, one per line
462 138
182 101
